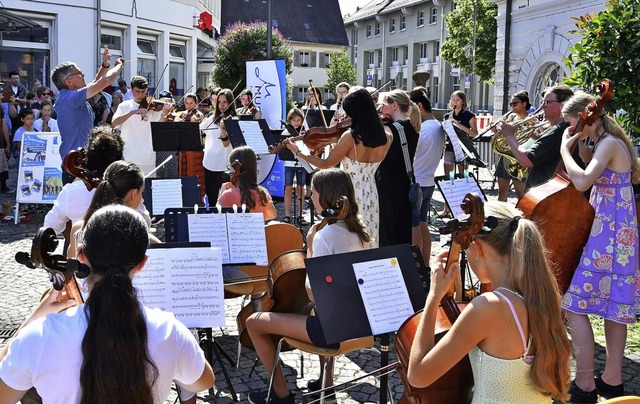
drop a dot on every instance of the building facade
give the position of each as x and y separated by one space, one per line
149 34
533 38
393 42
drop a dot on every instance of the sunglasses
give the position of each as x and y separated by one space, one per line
513 104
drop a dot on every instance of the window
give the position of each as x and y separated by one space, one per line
303 58
420 18
423 52
455 83
368 30
550 75
377 28
114 42
177 68
354 46
436 89
405 55
146 50
176 51
28 52
372 59
325 60
302 94
436 51
394 54
433 17
403 23
113 38
392 26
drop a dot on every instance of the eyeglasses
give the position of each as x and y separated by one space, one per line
73 74
546 102
47 93
513 104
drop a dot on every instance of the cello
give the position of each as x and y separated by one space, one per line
456 385
562 213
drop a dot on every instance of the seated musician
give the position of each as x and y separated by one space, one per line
96 352
245 189
103 148
343 236
515 335
543 156
248 106
123 184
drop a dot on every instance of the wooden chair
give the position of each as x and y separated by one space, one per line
623 400
345 347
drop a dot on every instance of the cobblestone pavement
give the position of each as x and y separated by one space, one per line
21 289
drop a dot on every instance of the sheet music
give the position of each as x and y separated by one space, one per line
211 228
384 293
165 194
253 136
309 168
455 191
186 282
459 149
247 239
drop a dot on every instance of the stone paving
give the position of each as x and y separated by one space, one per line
21 288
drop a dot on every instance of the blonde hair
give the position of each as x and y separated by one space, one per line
530 275
406 106
576 104
462 96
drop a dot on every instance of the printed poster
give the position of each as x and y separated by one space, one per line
39 170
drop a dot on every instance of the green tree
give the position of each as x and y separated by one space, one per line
340 69
457 48
610 49
241 43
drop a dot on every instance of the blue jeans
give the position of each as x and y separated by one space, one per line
422 214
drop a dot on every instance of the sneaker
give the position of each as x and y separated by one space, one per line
260 397
607 390
315 385
580 396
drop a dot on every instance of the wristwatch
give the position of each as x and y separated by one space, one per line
107 66
224 139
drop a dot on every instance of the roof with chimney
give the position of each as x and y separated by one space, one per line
304 21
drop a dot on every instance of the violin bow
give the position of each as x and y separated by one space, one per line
315 95
155 89
381 87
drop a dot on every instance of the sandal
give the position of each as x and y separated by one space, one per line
287 219
302 222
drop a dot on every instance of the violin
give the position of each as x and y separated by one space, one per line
456 385
75 164
236 172
62 271
151 104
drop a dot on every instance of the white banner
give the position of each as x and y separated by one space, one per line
267 80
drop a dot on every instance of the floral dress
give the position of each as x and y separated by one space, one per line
366 192
607 280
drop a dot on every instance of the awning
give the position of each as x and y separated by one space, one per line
13 22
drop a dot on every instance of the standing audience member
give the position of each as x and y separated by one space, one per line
360 150
543 157
217 146
135 126
74 114
27 119
100 108
45 123
116 99
5 153
346 235
113 347
391 178
124 90
607 280
342 89
425 163
246 190
515 335
464 123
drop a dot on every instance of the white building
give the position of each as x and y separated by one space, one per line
535 37
149 34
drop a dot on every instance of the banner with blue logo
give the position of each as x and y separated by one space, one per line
39 171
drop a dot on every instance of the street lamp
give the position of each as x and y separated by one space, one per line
269 28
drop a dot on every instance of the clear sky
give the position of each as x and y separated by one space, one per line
349 6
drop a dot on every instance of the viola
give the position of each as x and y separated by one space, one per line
562 213
62 271
456 385
75 164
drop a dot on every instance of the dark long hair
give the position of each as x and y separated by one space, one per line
119 178
366 125
231 110
333 183
116 366
103 148
248 177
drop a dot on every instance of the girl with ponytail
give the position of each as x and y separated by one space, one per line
110 349
515 336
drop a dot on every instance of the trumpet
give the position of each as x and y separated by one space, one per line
496 123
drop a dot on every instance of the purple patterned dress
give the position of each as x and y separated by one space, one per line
607 280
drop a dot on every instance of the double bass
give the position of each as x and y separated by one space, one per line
562 213
456 385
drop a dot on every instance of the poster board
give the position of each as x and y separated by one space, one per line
39 168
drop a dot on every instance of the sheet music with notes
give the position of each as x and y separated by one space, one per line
455 190
384 293
165 194
240 236
253 136
185 281
459 150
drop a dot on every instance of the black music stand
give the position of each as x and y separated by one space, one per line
176 136
190 193
314 119
341 308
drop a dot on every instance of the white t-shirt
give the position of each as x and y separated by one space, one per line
136 133
216 155
428 152
47 355
53 125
